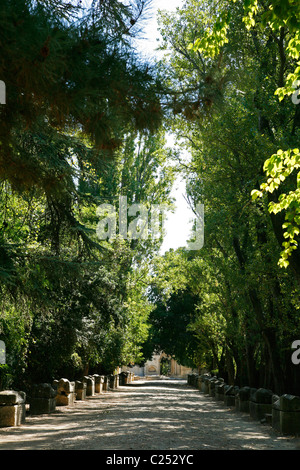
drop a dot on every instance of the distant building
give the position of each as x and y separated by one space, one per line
160 364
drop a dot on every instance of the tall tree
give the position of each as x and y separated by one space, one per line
222 99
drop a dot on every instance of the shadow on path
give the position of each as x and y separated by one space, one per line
145 415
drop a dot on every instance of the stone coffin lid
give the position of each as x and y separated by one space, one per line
64 385
252 391
289 403
212 383
244 393
215 382
43 390
213 379
87 379
80 385
220 387
229 390
11 397
262 396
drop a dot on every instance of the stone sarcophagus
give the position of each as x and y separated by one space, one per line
112 381
286 414
80 390
65 393
243 397
12 408
90 385
99 379
124 378
230 392
211 386
260 403
219 390
42 399
105 383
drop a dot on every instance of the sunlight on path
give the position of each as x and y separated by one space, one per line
146 415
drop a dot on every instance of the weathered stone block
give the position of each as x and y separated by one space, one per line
219 391
263 396
116 376
124 378
42 399
65 393
65 400
80 390
65 386
105 383
111 382
229 395
44 390
42 406
98 383
55 384
260 403
12 415
102 378
12 408
242 399
194 379
204 383
286 415
229 400
289 403
211 386
90 385
12 397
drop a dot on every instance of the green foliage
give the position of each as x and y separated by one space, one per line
169 327
281 17
278 168
77 130
85 124
246 307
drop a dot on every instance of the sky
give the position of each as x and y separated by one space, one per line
150 24
178 226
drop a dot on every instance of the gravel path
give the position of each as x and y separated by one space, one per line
145 415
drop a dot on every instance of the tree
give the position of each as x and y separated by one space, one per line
76 93
282 20
253 310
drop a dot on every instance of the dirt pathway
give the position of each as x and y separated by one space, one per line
146 415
